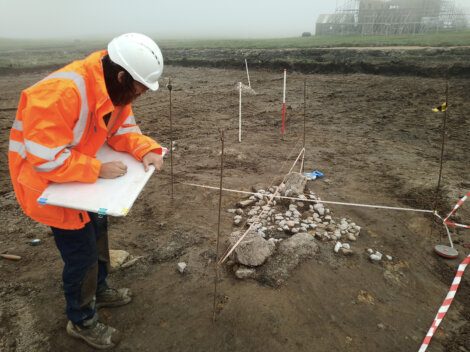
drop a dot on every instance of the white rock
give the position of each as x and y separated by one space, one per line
290 223
182 267
375 258
389 257
292 207
338 245
370 251
245 273
288 213
378 254
239 211
232 211
294 230
346 246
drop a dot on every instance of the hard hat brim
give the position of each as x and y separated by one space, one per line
152 86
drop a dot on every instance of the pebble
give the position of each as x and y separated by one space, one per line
295 230
375 257
182 267
346 246
245 273
346 251
239 211
351 237
292 207
290 223
35 242
288 213
389 257
370 251
232 211
338 245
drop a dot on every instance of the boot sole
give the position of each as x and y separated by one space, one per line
76 335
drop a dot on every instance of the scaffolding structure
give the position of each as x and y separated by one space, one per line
391 17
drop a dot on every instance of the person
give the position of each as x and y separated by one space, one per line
61 123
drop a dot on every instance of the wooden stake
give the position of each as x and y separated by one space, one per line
170 88
216 264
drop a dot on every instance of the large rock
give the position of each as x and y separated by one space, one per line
295 184
117 258
289 254
253 250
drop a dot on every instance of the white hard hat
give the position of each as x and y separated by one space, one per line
140 56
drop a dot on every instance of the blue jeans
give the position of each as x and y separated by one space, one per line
85 254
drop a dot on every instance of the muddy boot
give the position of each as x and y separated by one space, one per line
111 297
95 333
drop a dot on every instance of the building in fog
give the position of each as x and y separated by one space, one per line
391 17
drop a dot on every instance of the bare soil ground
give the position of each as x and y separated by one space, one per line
377 142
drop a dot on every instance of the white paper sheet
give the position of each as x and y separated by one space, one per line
113 197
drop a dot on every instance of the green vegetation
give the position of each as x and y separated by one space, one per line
460 38
52 53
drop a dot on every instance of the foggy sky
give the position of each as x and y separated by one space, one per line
169 19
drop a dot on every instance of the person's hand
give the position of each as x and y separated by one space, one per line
113 169
152 159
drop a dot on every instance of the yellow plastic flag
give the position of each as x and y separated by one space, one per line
440 108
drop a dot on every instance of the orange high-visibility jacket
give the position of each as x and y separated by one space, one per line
59 128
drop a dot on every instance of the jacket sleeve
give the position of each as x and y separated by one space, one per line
49 117
128 138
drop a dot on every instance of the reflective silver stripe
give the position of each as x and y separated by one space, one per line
130 120
17 147
80 126
133 129
18 125
52 165
41 151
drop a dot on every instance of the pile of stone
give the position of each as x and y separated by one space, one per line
274 218
282 218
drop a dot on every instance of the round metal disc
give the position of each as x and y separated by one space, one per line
446 251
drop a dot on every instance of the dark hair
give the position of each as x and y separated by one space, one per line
121 93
